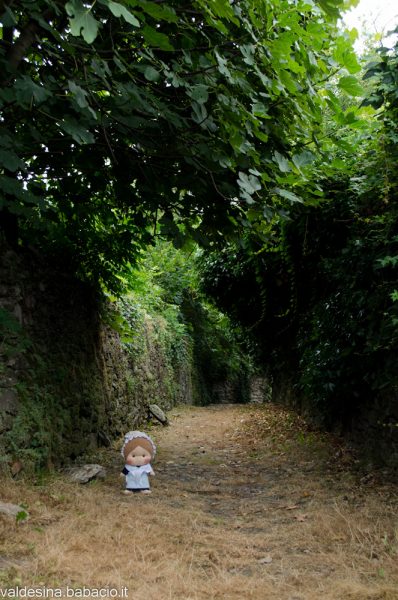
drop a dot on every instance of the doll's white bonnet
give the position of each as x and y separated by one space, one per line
137 438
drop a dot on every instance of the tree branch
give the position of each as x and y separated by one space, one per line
18 51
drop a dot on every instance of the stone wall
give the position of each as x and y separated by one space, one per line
260 390
142 374
67 383
50 378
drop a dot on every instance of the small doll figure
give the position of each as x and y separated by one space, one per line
138 451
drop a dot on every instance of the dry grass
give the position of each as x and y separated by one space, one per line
247 504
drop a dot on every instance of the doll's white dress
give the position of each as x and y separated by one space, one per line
137 477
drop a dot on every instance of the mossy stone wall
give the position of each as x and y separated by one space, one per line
67 382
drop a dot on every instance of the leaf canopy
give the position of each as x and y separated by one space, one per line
125 120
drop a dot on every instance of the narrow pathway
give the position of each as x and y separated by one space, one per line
247 503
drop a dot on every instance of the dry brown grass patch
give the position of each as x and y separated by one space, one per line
267 520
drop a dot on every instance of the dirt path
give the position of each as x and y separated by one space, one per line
247 503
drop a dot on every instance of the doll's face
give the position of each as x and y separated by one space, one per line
138 457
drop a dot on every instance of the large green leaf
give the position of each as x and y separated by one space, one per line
156 39
249 185
77 131
345 55
303 159
79 93
199 93
282 162
10 161
121 11
82 21
27 91
151 74
161 12
350 85
287 194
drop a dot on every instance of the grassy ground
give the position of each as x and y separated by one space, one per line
247 503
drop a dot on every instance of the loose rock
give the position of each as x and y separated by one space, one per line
156 411
86 473
11 510
267 560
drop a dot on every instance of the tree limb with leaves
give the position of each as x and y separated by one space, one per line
129 119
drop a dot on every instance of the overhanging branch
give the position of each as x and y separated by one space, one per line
19 49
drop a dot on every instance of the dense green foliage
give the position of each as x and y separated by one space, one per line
122 120
231 125
322 292
166 286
